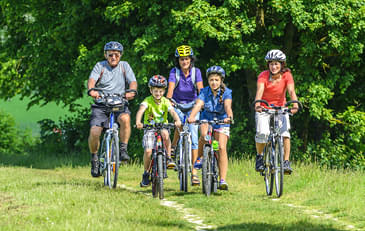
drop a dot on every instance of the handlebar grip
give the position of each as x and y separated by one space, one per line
294 101
260 101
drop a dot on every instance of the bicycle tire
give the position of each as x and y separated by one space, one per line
102 159
114 161
154 176
207 171
180 161
279 167
268 173
160 175
215 171
186 154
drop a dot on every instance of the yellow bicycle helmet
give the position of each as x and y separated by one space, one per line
183 50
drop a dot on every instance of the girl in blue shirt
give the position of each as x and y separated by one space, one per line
217 102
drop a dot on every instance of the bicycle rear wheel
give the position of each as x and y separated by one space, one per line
268 173
207 171
159 182
279 166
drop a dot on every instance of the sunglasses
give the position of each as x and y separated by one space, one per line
114 54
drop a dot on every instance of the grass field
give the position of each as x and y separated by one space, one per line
28 118
65 197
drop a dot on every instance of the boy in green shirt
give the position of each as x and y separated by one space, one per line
155 108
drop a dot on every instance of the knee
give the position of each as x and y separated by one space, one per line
95 132
124 119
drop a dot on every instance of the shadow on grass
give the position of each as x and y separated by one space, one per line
299 226
45 160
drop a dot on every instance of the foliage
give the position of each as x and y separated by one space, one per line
58 42
13 140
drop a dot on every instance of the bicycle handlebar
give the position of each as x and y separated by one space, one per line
214 121
278 107
158 126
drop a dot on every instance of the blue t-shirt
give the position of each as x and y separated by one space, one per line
212 107
185 91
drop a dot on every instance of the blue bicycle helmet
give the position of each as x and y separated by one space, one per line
216 70
115 46
157 81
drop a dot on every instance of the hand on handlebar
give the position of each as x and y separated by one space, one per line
178 124
130 95
293 110
94 94
228 120
191 120
139 125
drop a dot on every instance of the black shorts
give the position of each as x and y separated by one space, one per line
100 117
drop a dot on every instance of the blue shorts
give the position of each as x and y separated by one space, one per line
192 127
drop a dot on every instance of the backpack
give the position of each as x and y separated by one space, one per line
177 76
123 71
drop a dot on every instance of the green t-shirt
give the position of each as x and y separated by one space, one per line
156 113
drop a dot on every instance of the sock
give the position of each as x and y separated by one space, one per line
94 156
123 146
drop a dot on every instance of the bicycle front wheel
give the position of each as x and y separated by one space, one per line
268 171
215 173
186 153
160 169
279 166
207 171
113 162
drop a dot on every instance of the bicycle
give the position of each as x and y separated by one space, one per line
184 166
274 148
109 149
157 169
210 170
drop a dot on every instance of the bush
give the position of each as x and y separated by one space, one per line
13 140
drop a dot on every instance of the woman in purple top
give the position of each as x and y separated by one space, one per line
185 83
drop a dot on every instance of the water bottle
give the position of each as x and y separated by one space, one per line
215 145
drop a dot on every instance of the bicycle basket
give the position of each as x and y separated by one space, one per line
115 103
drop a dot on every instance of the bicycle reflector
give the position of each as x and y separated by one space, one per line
207 138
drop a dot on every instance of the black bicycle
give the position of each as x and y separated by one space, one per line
274 148
157 169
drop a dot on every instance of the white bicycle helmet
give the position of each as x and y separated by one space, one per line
275 55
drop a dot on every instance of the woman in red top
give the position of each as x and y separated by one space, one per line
272 86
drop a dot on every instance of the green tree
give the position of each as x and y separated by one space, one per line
56 43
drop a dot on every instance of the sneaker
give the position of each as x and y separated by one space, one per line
198 163
287 168
145 179
123 154
95 166
223 185
170 163
259 163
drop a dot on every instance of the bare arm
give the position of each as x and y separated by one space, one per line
197 107
293 96
132 86
176 117
139 115
259 93
228 109
199 86
170 90
91 84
